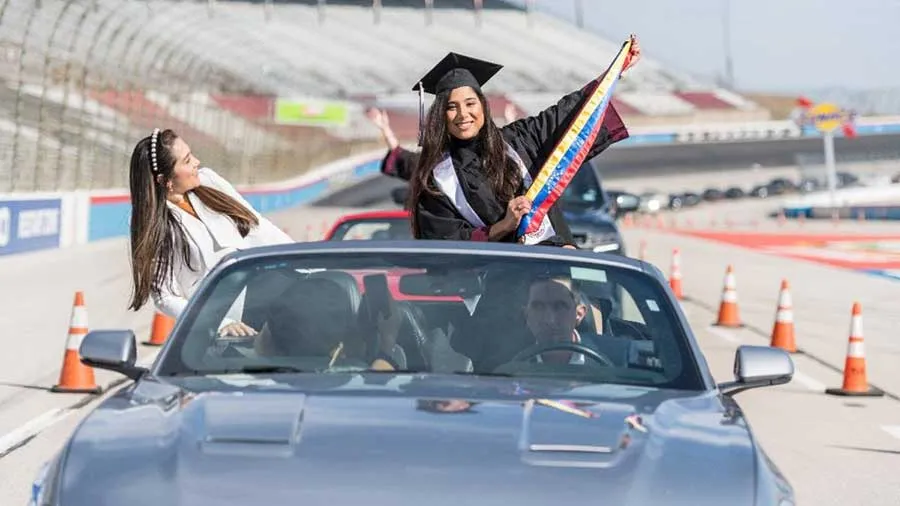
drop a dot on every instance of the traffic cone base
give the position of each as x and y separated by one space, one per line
870 392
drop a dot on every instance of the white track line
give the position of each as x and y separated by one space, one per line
11 440
31 428
808 381
724 334
893 430
805 380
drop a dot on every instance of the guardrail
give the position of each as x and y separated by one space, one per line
35 222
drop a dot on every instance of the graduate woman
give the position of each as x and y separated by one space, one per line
469 180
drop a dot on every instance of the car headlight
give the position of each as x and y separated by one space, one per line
603 243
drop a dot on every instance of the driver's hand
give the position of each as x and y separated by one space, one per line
240 329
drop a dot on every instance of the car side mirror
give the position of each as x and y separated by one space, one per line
399 195
113 350
759 366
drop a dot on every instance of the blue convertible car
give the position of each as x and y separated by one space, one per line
505 375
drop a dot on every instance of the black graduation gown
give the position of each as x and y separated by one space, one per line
533 138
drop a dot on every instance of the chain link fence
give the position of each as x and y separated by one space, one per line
84 80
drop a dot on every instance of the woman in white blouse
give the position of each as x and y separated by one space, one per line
184 218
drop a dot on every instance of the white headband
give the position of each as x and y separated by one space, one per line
153 139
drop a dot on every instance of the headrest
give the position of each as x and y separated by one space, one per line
311 318
345 281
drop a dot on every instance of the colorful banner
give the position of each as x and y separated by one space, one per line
570 151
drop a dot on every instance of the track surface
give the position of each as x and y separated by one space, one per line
836 451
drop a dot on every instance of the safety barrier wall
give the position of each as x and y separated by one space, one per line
752 131
34 222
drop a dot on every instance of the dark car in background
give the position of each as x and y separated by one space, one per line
591 212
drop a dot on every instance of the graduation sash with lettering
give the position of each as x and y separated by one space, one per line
570 151
448 182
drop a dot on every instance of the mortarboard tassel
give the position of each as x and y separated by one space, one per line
421 114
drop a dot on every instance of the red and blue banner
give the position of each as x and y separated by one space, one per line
570 151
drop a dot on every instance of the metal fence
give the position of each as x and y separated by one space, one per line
84 80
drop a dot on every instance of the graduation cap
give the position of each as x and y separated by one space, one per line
453 71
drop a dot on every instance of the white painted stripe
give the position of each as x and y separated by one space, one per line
79 318
893 430
37 425
724 334
856 326
785 300
856 349
74 341
784 316
808 381
31 428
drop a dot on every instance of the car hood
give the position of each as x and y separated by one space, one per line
274 443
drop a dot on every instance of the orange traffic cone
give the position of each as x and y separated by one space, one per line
855 382
783 331
675 278
729 316
76 377
643 251
162 326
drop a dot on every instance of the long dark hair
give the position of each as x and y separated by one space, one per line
156 236
499 170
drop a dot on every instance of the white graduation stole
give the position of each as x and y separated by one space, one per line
448 182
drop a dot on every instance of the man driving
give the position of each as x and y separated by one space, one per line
548 311
552 312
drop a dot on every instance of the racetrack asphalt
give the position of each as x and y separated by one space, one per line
835 450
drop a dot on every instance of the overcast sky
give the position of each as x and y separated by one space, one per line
777 45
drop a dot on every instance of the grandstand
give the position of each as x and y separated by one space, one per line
84 79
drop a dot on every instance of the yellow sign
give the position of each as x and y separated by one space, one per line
826 117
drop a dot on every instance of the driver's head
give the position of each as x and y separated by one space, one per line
311 318
553 309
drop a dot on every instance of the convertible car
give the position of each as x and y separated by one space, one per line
537 387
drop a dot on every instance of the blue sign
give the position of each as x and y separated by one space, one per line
29 225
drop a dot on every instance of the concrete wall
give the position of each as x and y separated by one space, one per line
36 222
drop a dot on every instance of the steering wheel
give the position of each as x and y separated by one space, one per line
538 349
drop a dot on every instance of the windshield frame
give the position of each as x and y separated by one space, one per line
693 364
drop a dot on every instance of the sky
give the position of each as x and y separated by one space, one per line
790 46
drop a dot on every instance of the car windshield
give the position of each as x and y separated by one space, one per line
377 229
584 189
453 313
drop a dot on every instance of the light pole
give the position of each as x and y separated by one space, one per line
726 34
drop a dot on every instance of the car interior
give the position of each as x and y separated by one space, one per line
449 323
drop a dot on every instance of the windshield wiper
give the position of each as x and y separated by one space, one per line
264 369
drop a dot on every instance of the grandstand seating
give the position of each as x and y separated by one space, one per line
92 77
